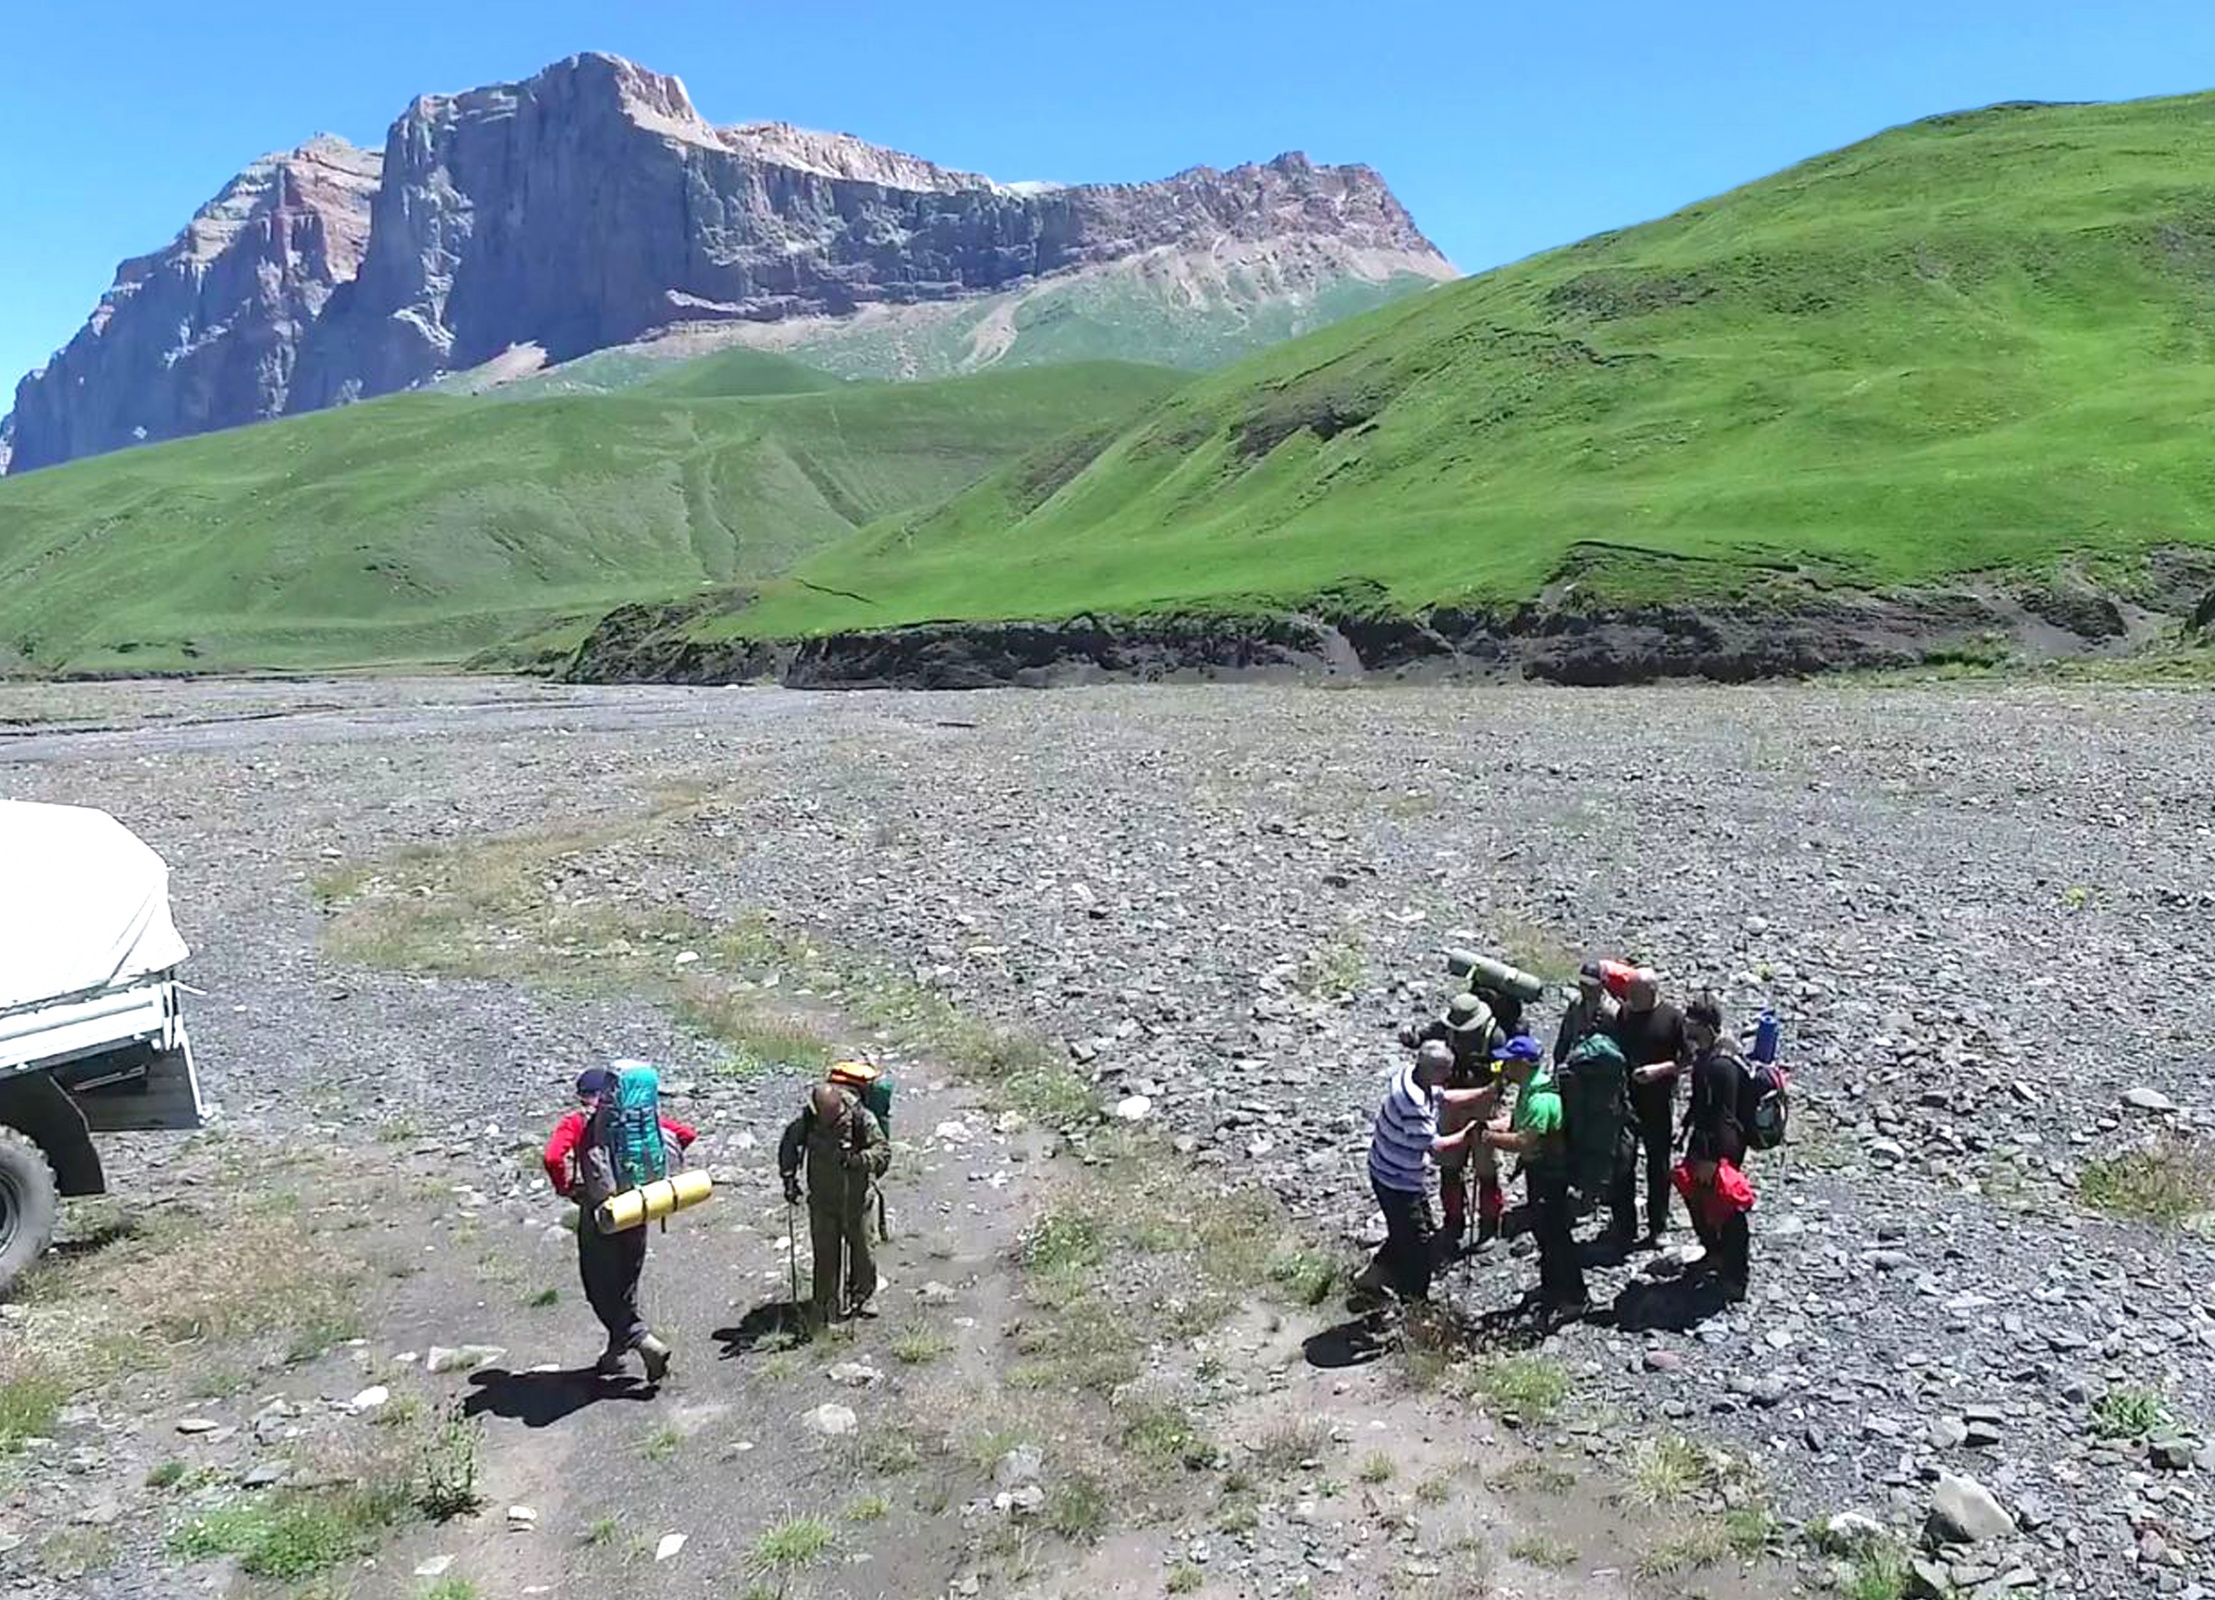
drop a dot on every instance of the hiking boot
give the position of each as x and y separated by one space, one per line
865 1309
610 1364
656 1356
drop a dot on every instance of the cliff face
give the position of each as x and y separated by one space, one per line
592 206
205 332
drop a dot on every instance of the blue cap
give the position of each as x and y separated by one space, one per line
592 1082
1520 1048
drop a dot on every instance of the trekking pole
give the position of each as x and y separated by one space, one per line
792 1249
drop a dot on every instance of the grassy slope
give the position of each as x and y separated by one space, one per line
424 526
1978 341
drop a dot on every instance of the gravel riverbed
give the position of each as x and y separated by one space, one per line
1987 918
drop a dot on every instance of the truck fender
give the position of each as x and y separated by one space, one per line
38 1108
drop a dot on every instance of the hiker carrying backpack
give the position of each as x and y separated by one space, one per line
1595 1104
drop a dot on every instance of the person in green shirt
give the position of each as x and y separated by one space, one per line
1534 1132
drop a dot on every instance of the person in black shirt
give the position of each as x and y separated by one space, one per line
1713 1136
1651 1034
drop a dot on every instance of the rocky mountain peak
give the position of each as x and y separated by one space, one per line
593 205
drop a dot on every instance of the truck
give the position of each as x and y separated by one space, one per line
92 1026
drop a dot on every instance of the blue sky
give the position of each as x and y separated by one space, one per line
1505 128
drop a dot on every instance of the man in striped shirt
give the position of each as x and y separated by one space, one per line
1405 1140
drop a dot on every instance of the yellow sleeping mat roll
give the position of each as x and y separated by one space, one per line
650 1202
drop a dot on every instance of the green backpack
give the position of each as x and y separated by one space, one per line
1595 1113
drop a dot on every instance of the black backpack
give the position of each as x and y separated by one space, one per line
1764 1104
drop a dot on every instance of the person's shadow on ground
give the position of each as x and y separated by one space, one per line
1675 1305
1352 1343
541 1399
777 1325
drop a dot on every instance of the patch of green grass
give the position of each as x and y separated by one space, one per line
446 1480
1185 1578
1377 1468
1708 1541
1302 1275
1548 1552
165 1475
289 1536
473 519
1434 1491
1063 1242
2128 1413
1882 1574
1288 1446
918 1344
452 1589
661 1444
542 1299
1167 1437
1077 1507
29 1403
1529 1386
1984 324
867 1508
1665 1469
601 1532
1337 968
790 1546
2170 1180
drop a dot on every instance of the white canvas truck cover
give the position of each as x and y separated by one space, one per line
84 905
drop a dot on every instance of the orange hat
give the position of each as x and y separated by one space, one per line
858 1074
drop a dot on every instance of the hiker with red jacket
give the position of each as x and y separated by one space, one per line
608 1263
1715 1188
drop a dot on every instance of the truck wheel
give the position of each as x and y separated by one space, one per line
29 1205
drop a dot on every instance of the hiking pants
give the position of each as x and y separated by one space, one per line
1729 1245
610 1264
1560 1273
841 1228
1406 1256
1653 1106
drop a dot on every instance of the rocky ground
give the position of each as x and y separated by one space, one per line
1985 917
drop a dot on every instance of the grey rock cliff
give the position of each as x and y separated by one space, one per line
204 332
591 206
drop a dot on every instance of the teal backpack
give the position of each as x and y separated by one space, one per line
628 1126
1595 1113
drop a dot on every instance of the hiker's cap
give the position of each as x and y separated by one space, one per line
1590 973
1520 1048
1465 1013
592 1082
859 1073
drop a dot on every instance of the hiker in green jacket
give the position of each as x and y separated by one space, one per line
1534 1132
845 1153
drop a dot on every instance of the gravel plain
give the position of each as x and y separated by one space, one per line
1987 918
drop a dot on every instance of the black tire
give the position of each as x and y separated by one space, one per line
30 1204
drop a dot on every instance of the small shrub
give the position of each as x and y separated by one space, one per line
448 1484
1166 1437
1077 1508
2168 1181
1882 1574
1529 1386
917 1344
2128 1413
1305 1277
1286 1448
1666 1469
1434 1491
792 1545
1544 1551
1185 1578
1377 1469
1065 1242
867 1508
165 1476
29 1403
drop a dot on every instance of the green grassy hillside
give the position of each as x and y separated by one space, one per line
1982 341
426 526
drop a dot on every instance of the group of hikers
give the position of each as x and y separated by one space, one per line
831 1156
1480 1086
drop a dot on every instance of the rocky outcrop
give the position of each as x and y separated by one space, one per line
1798 633
591 206
205 332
